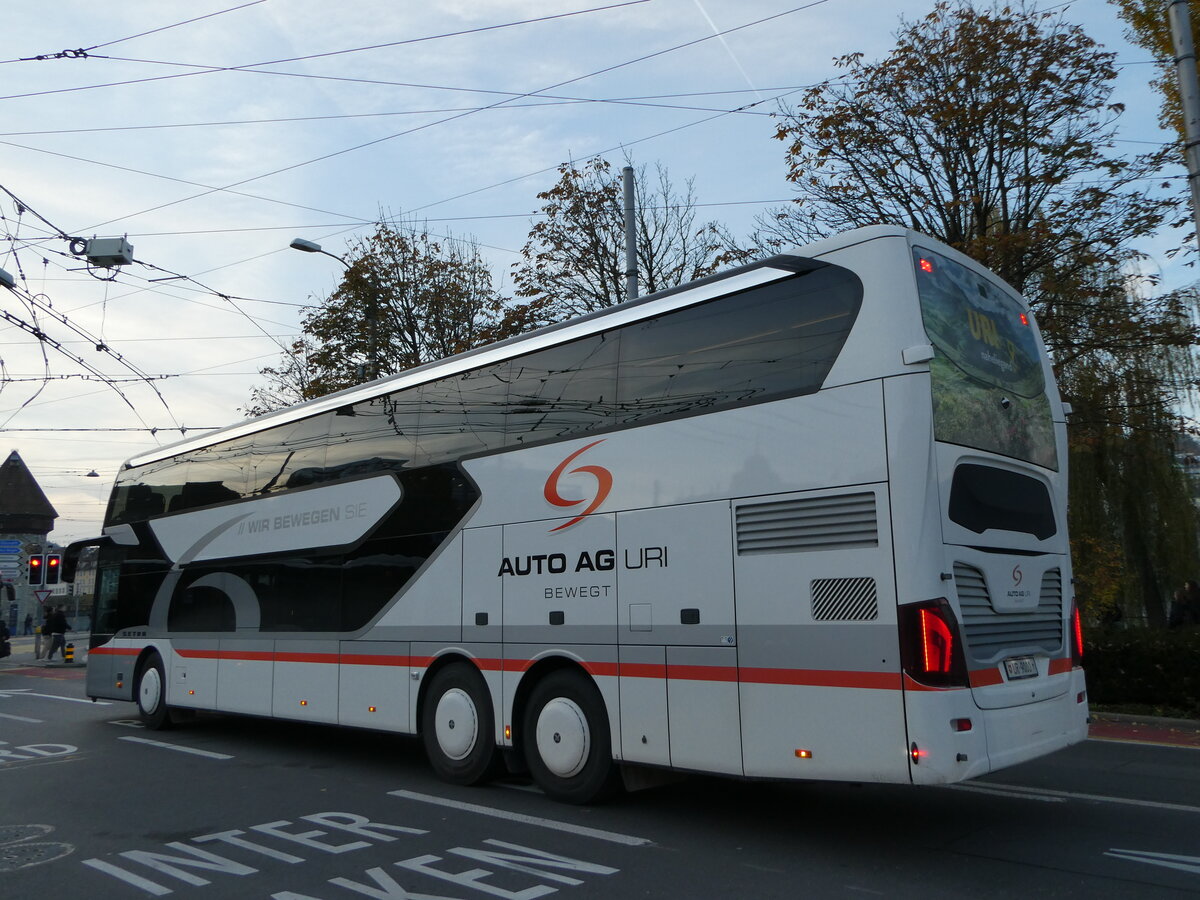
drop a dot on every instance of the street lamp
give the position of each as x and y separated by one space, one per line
314 247
308 246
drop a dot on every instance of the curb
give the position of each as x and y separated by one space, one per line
1155 721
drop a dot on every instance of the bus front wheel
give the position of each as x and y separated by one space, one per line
457 725
151 693
566 739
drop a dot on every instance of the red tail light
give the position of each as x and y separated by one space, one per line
1076 636
931 650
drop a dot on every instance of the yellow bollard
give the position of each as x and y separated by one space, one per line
69 653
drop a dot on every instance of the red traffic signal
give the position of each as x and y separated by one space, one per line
53 567
36 570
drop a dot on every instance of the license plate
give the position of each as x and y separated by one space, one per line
1020 667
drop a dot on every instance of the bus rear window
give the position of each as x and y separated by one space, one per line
984 497
987 374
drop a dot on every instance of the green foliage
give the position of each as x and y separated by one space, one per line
407 297
574 260
1144 670
992 130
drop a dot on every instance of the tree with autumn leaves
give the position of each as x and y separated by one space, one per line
991 130
988 128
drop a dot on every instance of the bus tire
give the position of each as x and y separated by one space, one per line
567 740
457 725
151 694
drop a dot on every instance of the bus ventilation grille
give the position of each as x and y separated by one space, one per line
844 600
841 522
991 635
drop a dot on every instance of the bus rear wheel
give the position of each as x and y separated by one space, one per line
151 694
457 726
566 739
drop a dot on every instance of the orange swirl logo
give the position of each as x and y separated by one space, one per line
603 478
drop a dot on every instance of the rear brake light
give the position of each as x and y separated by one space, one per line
1076 636
931 650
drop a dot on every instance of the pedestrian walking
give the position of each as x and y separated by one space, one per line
58 625
28 623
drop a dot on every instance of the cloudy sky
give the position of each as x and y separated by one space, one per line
212 143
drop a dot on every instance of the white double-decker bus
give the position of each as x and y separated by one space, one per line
805 519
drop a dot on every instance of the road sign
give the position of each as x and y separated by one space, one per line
7 546
42 596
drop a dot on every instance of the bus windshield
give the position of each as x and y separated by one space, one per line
989 390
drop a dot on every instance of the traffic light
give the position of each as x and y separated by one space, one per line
36 569
53 567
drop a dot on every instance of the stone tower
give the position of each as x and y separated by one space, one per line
26 517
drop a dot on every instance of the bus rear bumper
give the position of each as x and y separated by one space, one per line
1021 733
952 739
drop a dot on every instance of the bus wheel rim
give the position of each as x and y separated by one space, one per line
564 739
150 690
456 724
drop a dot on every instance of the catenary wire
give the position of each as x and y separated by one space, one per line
380 140
205 70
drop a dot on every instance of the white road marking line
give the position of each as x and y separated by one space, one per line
24 692
21 718
137 881
1135 742
1166 860
999 792
181 749
582 830
1028 793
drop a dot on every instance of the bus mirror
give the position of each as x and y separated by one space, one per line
70 557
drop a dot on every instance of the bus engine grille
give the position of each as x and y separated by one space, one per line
844 599
838 522
991 635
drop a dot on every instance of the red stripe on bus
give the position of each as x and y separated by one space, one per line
374 659
911 685
115 651
722 674
703 673
243 655
1059 666
643 670
601 669
986 677
307 657
879 681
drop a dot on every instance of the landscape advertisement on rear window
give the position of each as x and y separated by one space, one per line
989 390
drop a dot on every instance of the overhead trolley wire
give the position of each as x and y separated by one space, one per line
210 15
464 115
85 52
205 70
283 120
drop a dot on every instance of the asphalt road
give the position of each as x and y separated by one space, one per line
94 806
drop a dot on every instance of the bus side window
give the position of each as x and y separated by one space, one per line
376 435
774 341
562 391
462 415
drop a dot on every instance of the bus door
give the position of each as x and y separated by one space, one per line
817 640
679 655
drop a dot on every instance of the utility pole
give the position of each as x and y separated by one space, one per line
631 279
1189 93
